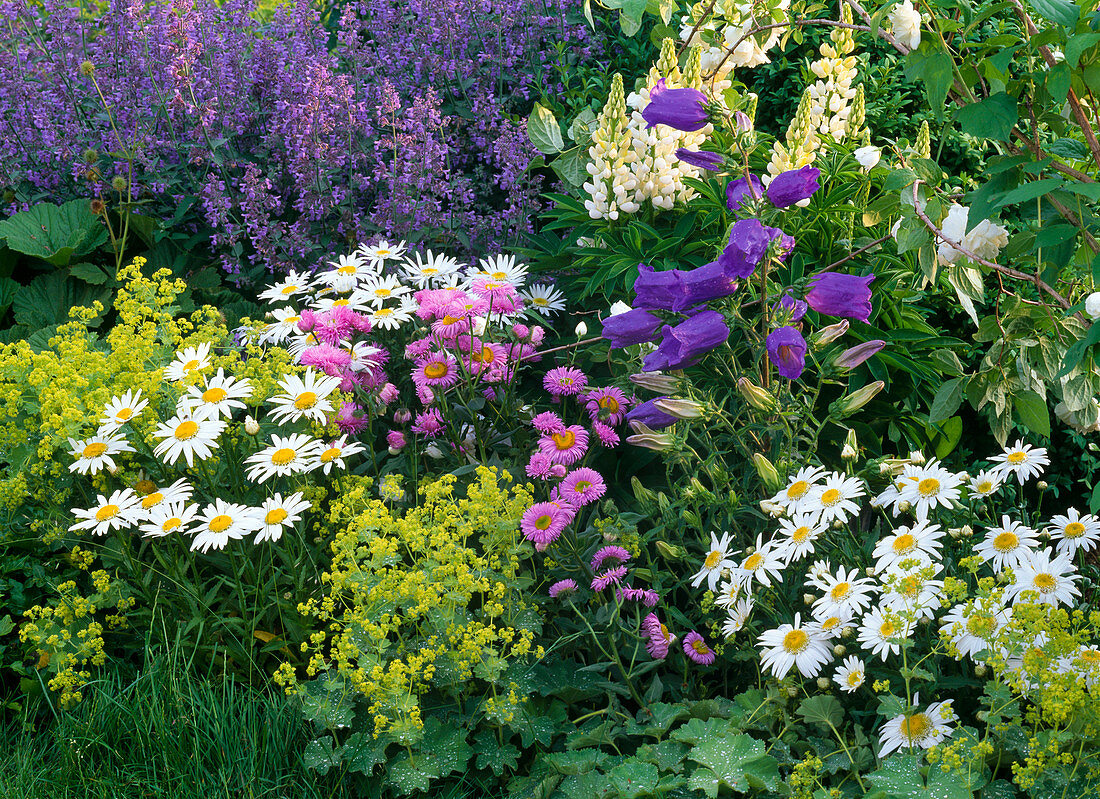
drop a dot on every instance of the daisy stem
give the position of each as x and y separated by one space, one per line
844 746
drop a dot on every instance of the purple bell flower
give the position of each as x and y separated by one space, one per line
787 350
703 159
650 415
657 290
793 186
788 304
747 247
738 190
705 283
785 242
836 294
683 109
686 343
632 327
854 356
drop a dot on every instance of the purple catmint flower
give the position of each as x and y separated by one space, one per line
632 327
684 344
793 186
787 350
682 109
701 159
738 191
837 294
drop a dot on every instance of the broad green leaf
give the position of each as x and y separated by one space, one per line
1077 44
1032 412
934 69
1068 148
569 166
1061 11
584 125
8 289
409 774
320 756
732 758
362 752
89 273
634 779
543 130
992 118
823 709
1029 191
54 233
48 298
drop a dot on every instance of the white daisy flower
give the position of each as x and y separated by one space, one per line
891 496
799 490
918 730
500 267
763 565
1075 532
223 521
728 594
121 410
835 498
294 454
845 593
882 632
294 283
799 645
358 301
798 534
277 514
105 515
346 272
716 560
192 359
544 299
188 437
391 318
1021 460
736 617
429 269
1005 546
382 251
383 288
284 326
985 483
175 517
363 356
221 394
912 592
851 674
972 628
180 491
819 573
301 342
94 453
304 397
1048 576
833 626
920 542
1085 663
334 454
928 487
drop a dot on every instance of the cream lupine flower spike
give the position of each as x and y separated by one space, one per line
611 183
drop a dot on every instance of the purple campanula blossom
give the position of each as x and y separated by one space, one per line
784 243
705 283
651 416
854 356
737 191
633 327
682 109
703 159
687 342
747 247
837 294
787 350
796 308
793 186
657 290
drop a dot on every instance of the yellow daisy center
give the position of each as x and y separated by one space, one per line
830 623
275 516
854 679
187 430
798 489
1016 458
124 413
904 543
384 312
346 270
330 454
928 487
498 275
840 591
830 497
145 486
94 450
795 641
800 535
191 365
916 727
713 557
1073 530
543 522
340 303
985 486
152 499
1045 582
171 524
220 523
1006 541
382 292
283 456
540 301
752 562
106 512
305 401
888 629
1090 657
214 394
288 290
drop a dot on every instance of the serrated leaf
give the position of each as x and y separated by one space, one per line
8 289
48 298
411 775
320 756
497 758
543 130
634 779
89 273
1061 11
823 709
737 762
54 233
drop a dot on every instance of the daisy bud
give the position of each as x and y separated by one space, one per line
619 307
823 683
885 468
251 426
113 471
808 598
955 532
916 457
851 447
773 509
840 650
679 407
581 329
767 472
905 507
1042 485
870 571
848 632
792 692
966 530
979 670
838 524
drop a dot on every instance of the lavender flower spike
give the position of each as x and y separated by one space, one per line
683 109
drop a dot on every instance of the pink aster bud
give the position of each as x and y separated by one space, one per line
402 416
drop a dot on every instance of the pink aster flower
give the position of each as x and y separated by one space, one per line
612 576
538 334
329 359
658 638
489 394
451 325
429 423
349 419
646 596
418 348
543 522
548 422
583 486
487 360
539 466
563 588
436 369
696 649
425 395
493 290
557 470
389 393
615 553
521 331
607 405
566 447
605 435
395 440
565 381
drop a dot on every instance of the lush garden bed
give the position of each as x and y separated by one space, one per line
550 399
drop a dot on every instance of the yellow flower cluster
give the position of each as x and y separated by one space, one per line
67 635
428 598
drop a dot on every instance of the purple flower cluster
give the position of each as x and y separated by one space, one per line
269 142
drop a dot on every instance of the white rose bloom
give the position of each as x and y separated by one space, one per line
868 156
1092 305
986 240
905 22
954 228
